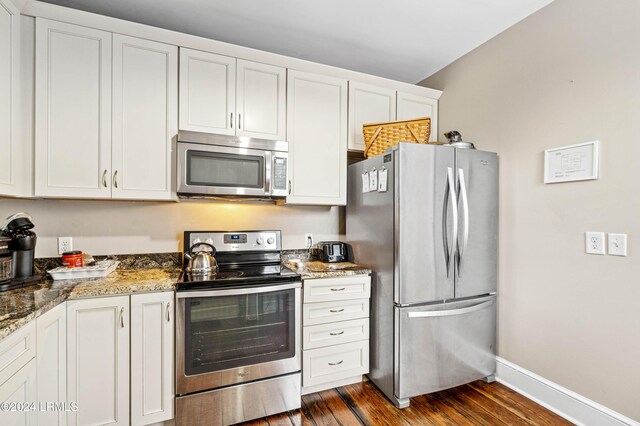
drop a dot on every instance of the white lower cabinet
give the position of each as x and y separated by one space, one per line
51 361
18 376
98 360
152 326
18 391
110 337
335 331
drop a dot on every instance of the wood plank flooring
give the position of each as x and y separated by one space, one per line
477 403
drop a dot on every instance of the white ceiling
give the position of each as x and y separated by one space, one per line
404 40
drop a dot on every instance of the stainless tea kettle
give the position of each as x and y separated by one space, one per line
201 263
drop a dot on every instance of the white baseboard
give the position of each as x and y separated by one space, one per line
568 404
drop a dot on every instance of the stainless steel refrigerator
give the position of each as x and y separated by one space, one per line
431 240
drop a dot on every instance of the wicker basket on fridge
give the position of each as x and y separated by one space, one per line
380 136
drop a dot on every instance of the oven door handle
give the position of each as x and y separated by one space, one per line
237 291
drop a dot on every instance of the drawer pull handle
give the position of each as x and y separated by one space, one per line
336 310
338 289
337 363
337 334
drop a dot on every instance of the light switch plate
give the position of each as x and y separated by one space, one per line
594 242
617 244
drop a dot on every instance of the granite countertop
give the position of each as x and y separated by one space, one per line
18 307
316 269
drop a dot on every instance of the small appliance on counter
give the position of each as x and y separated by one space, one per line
333 251
21 247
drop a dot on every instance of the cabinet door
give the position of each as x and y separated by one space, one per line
19 389
145 117
9 75
317 134
368 104
207 92
73 110
98 360
51 356
152 390
412 106
261 91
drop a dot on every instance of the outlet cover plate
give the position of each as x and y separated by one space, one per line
594 242
65 244
617 244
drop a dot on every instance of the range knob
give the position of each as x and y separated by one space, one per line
196 241
271 240
260 241
209 241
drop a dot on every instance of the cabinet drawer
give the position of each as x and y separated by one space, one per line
326 312
335 333
343 288
16 350
333 363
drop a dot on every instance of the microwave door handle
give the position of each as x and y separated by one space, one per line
268 160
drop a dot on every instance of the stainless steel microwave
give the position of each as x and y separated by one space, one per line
228 166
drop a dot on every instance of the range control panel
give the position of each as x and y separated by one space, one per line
236 240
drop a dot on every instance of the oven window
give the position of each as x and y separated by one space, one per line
228 170
235 331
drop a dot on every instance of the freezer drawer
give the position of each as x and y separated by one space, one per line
444 345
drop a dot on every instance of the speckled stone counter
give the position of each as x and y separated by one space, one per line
18 307
316 269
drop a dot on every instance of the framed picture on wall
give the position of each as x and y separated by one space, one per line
571 163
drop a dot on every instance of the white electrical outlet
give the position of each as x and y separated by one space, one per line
617 244
308 240
65 244
594 242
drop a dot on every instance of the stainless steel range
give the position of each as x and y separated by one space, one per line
238 335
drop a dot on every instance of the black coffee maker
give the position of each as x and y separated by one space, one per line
22 245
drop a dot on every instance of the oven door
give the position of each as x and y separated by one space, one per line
231 336
221 170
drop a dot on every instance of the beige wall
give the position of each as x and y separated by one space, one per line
569 73
112 227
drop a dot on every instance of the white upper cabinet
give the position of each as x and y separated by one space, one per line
368 104
207 92
412 106
317 135
219 94
88 146
145 118
261 100
73 111
10 150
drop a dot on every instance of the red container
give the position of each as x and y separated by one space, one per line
72 259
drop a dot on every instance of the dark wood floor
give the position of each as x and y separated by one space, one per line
477 403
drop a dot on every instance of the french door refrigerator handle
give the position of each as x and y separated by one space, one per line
449 192
465 215
449 312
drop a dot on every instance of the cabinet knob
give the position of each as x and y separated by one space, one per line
168 312
115 179
104 178
231 121
122 317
